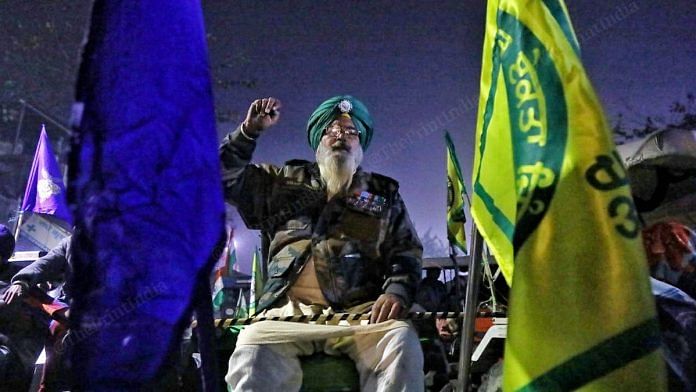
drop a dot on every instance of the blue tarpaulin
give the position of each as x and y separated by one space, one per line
145 190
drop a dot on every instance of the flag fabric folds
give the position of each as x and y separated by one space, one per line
232 265
257 281
551 198
242 309
45 192
145 173
221 270
456 217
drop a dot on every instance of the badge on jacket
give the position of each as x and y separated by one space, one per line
368 202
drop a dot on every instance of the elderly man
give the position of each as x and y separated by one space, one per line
340 240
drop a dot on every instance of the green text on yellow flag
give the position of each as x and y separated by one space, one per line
455 198
551 198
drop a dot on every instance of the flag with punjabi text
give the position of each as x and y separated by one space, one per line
552 200
456 217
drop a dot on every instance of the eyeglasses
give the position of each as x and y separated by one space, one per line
334 131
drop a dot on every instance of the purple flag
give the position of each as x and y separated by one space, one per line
145 180
45 192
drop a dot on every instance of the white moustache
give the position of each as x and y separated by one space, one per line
339 145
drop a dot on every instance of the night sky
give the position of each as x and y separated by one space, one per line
416 65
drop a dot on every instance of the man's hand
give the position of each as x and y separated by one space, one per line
263 113
387 307
14 292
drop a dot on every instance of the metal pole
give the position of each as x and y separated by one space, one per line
457 283
20 218
466 347
19 126
206 335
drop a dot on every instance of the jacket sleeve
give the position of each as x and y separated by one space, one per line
404 254
246 186
50 267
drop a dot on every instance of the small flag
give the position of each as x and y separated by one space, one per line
257 280
456 191
45 192
242 310
232 265
552 200
220 271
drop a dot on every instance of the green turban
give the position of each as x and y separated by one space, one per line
332 108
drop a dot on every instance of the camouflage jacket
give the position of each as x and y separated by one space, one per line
363 245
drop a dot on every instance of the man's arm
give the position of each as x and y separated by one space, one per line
50 267
404 254
245 184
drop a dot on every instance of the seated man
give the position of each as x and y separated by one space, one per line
671 251
340 241
432 293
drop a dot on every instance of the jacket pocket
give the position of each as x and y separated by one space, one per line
280 265
291 230
360 226
286 259
359 279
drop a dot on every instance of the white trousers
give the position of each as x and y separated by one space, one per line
386 361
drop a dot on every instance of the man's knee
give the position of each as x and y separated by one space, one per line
406 339
408 342
248 367
399 346
244 360
394 363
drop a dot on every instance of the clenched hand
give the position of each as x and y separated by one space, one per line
263 113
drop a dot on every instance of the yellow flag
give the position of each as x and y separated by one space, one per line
455 198
551 198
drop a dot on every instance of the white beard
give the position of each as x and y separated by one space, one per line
337 167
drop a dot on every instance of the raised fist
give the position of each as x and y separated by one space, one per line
263 113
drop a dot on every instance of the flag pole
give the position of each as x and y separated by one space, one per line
19 125
457 283
20 219
470 309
